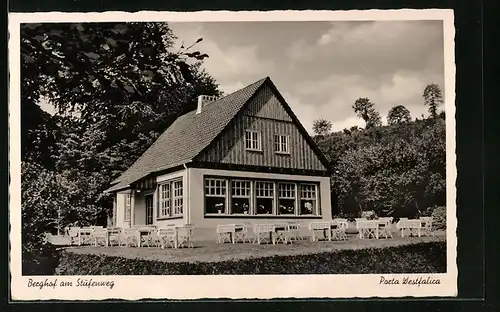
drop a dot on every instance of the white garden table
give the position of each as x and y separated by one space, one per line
367 228
408 227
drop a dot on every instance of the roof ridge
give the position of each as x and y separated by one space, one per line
236 91
188 120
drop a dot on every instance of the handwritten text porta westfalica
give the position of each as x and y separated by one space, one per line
412 281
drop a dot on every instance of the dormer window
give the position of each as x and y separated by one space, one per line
281 144
253 141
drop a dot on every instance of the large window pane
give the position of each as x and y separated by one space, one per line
240 196
264 193
308 202
215 205
287 198
215 196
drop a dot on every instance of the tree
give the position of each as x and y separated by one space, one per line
115 88
398 114
364 108
322 127
433 98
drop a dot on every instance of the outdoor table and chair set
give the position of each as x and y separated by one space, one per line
281 232
175 236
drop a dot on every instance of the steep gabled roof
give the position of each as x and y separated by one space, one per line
187 136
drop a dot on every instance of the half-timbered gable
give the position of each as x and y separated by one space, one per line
281 144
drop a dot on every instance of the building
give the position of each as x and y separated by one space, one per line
244 157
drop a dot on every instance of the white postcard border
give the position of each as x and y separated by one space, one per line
224 286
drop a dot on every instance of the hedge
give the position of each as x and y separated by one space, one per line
415 258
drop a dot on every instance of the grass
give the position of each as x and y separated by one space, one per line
421 257
213 252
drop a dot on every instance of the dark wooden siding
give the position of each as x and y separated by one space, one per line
266 105
267 115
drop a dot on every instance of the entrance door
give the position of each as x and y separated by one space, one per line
149 209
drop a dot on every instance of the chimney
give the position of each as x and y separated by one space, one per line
203 100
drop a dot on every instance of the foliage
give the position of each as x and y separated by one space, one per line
115 87
433 98
398 114
322 127
439 218
415 258
364 108
395 170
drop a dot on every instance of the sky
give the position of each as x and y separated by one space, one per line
321 68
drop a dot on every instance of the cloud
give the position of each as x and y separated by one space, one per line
321 68
233 66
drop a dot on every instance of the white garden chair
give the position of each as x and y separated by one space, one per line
100 236
85 236
114 236
73 234
240 233
167 236
281 233
263 232
294 229
384 227
185 235
130 238
426 228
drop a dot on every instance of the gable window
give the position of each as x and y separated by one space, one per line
264 195
253 140
281 144
215 196
128 207
308 200
240 197
170 199
287 198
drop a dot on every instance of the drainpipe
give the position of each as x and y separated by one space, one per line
188 188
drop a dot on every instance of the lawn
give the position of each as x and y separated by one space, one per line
212 252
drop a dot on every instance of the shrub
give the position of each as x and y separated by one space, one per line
415 258
439 218
39 259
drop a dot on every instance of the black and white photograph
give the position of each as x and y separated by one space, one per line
251 152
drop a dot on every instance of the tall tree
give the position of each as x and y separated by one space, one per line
115 87
364 108
398 114
433 98
322 127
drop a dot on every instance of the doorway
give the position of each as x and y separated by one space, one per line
149 209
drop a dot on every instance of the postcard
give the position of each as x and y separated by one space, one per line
240 155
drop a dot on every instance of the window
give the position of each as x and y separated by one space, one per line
215 196
264 194
128 206
252 140
281 144
240 197
170 199
165 201
177 187
308 201
286 198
